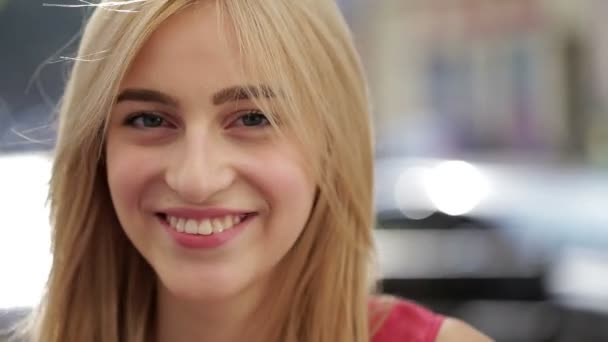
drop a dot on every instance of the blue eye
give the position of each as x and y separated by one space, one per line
146 120
252 119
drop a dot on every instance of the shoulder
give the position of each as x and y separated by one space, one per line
453 330
397 320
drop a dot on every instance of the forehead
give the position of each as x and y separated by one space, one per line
191 49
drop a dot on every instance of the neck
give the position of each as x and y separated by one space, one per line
221 320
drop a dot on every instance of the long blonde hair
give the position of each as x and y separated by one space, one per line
101 289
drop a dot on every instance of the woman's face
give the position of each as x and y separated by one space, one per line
209 194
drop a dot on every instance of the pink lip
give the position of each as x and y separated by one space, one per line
212 241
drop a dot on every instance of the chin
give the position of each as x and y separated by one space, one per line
202 295
201 289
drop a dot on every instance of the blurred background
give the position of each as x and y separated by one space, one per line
492 156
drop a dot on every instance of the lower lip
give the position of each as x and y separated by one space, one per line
214 240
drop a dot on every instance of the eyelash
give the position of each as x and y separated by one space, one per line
258 113
132 120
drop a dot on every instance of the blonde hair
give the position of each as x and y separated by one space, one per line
101 289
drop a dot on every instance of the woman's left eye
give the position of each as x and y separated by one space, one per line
252 119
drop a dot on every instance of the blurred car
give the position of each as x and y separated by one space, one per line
518 244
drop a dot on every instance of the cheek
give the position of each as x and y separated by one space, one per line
128 168
280 176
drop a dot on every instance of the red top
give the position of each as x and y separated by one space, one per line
408 322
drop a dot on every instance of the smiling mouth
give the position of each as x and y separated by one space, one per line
207 226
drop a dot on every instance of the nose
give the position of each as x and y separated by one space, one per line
199 169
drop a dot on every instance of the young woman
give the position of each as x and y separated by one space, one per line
213 182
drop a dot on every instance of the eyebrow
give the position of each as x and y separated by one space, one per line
225 95
241 93
146 95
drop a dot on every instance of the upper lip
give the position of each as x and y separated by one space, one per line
203 213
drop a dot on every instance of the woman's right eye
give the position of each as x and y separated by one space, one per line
147 120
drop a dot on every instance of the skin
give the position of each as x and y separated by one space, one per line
196 148
454 330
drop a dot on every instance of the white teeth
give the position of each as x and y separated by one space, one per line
179 225
227 222
218 225
191 227
205 228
